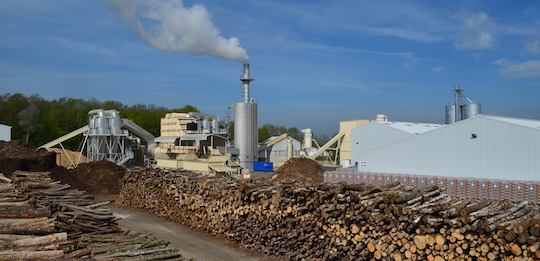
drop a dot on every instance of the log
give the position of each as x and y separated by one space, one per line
30 255
41 240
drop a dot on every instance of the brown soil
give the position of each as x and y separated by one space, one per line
100 177
19 155
302 170
97 177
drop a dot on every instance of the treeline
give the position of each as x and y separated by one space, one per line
268 130
38 121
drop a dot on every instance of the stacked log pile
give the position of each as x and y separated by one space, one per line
339 222
43 219
129 246
74 210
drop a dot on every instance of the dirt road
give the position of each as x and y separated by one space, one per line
191 243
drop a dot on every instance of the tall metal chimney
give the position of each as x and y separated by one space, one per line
245 124
245 83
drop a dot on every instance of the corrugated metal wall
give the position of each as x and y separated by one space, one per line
374 135
499 151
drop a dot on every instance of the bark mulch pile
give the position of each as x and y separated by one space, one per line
301 170
19 155
97 177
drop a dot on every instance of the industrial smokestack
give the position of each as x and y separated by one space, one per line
245 124
245 83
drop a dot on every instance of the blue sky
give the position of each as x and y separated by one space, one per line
315 63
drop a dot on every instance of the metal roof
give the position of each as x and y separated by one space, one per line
411 127
535 124
165 139
195 137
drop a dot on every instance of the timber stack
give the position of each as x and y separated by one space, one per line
339 222
43 219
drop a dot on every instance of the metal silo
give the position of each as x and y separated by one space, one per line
450 113
460 110
245 124
470 110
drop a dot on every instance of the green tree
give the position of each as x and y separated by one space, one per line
186 109
10 107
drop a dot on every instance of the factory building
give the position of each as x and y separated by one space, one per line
5 132
346 127
482 147
278 149
379 133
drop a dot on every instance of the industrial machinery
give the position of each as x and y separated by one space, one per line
109 137
197 142
460 110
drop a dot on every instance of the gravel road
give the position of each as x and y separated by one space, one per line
192 244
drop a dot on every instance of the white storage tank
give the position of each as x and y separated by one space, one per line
245 124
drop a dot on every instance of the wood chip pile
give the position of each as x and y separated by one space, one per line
43 219
19 155
296 221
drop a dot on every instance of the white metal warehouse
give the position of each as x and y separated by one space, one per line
375 134
5 132
484 147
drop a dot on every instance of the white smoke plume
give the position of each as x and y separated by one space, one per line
170 27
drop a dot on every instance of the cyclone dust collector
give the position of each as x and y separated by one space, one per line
245 124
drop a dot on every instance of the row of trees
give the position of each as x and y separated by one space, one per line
38 121
268 130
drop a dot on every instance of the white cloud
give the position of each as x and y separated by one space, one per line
479 32
408 33
528 69
532 45
82 47
438 69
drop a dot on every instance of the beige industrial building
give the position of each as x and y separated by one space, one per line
195 141
346 127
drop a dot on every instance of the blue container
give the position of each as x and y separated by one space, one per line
263 166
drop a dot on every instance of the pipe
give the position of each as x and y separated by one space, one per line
152 146
245 83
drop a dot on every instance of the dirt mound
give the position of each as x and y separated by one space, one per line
303 170
19 155
97 177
